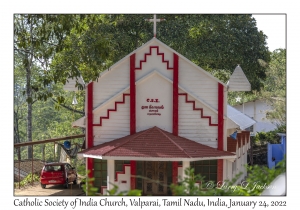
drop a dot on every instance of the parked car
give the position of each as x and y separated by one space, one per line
58 174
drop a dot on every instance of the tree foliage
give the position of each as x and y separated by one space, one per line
259 177
274 91
37 37
219 42
50 48
211 41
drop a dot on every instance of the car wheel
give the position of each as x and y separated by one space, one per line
67 184
43 186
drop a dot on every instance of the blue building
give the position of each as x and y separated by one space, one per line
276 152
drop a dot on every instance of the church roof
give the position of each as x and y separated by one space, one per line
155 144
154 41
239 118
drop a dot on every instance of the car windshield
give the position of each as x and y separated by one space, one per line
53 168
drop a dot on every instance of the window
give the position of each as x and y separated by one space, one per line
53 168
140 173
100 173
206 168
119 164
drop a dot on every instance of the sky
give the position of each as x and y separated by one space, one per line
274 26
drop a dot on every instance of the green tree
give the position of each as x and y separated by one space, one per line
274 91
259 177
36 39
213 42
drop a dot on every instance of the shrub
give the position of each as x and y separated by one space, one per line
27 180
259 178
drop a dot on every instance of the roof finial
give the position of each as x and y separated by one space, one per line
154 25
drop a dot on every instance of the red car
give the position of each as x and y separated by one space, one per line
58 174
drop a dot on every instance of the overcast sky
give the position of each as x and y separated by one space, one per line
274 26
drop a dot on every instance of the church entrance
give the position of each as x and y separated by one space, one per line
156 178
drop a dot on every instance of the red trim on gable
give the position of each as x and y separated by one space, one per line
132 174
158 53
132 95
220 117
112 110
197 109
121 172
175 94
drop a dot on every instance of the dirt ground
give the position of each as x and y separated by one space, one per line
50 190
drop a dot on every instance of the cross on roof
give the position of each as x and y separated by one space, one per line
154 25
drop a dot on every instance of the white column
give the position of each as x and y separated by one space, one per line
110 174
229 170
185 165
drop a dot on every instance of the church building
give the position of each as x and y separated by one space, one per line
155 113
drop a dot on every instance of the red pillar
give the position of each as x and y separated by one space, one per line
90 135
175 94
220 117
220 171
220 129
174 172
132 118
132 95
132 173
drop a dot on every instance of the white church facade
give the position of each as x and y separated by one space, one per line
155 113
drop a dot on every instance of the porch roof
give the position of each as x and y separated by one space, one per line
155 144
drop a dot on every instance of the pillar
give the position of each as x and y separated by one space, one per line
110 174
185 165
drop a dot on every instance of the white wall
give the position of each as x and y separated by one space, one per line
154 87
111 83
193 127
123 180
117 125
198 83
257 110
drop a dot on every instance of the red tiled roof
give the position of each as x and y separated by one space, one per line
155 143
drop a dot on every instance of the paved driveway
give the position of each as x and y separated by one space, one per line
50 190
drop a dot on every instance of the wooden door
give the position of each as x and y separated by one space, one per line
156 178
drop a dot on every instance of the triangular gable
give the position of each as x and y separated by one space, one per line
238 81
151 42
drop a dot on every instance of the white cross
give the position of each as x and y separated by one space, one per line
154 25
